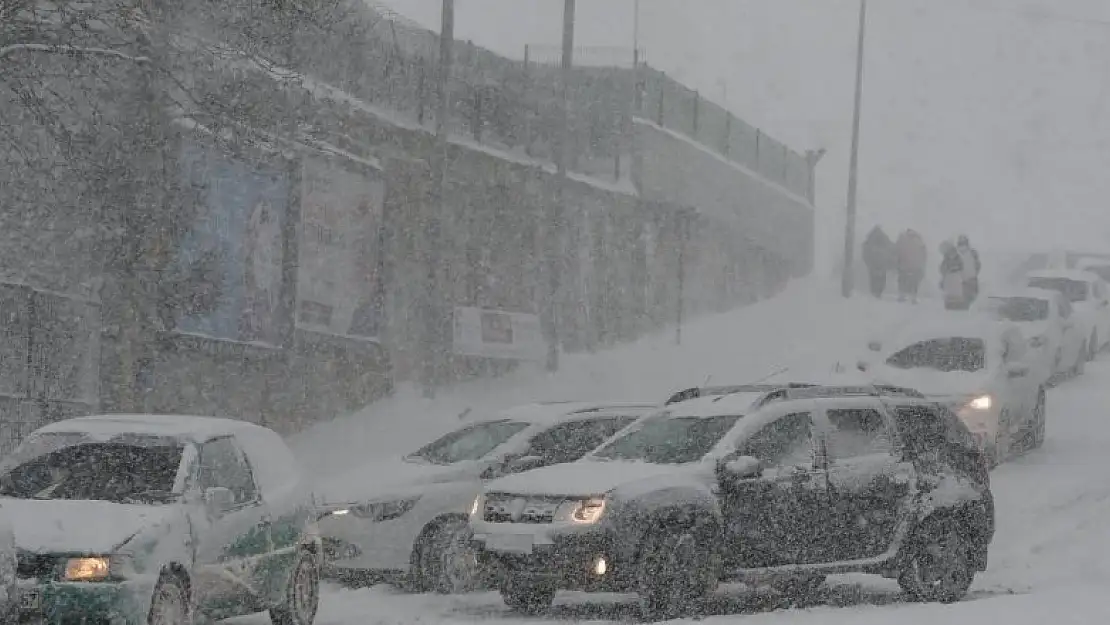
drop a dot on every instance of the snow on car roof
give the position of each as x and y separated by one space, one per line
1078 275
1029 292
183 427
714 405
542 412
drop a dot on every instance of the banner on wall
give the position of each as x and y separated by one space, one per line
339 286
489 333
227 269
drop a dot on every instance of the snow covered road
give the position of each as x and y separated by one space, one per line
1050 560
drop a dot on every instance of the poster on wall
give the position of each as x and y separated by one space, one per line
227 269
489 333
338 286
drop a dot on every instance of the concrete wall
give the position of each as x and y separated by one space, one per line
672 168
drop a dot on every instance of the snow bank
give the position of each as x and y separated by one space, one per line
806 328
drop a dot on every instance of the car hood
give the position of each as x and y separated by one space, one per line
582 478
68 526
392 478
933 383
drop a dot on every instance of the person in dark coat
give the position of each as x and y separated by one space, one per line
878 255
969 257
952 278
912 257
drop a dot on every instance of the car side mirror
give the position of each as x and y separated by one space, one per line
1017 370
744 467
218 499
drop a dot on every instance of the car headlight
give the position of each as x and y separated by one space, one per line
583 511
383 510
982 402
98 568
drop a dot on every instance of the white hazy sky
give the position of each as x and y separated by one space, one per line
979 116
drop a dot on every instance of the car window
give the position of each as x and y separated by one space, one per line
669 440
568 442
1074 290
931 428
222 464
857 432
943 354
469 443
785 442
1065 306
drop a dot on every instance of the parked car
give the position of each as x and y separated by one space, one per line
1095 265
406 519
975 365
1057 342
1089 297
138 519
781 486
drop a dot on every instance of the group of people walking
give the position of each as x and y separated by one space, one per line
959 267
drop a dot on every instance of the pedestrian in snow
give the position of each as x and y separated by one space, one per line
878 255
952 278
971 266
912 256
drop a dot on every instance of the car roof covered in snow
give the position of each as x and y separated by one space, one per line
1027 292
971 324
545 412
714 405
182 427
1078 275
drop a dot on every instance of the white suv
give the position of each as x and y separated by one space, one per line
406 519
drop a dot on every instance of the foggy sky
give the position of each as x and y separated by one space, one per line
976 118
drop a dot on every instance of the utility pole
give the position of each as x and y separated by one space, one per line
558 212
436 310
848 279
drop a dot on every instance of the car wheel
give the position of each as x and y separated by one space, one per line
302 597
526 595
170 603
448 562
939 569
676 574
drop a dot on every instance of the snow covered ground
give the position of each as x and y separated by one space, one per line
1050 560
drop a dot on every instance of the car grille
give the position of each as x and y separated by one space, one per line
510 509
36 565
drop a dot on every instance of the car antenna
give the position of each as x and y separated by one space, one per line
771 374
464 413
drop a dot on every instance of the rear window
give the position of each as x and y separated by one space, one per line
1074 290
945 354
1019 309
926 428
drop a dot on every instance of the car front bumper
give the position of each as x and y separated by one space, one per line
582 559
88 603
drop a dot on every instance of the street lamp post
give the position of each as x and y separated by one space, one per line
848 278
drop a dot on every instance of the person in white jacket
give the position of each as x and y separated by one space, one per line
952 284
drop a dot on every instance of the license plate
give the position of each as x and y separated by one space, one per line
514 543
30 601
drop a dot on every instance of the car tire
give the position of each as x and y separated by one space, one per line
447 563
170 604
676 574
939 568
525 595
302 596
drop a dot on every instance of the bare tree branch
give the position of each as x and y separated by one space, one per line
48 48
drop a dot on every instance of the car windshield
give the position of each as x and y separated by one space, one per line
1019 309
1074 290
469 443
943 354
669 440
125 469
